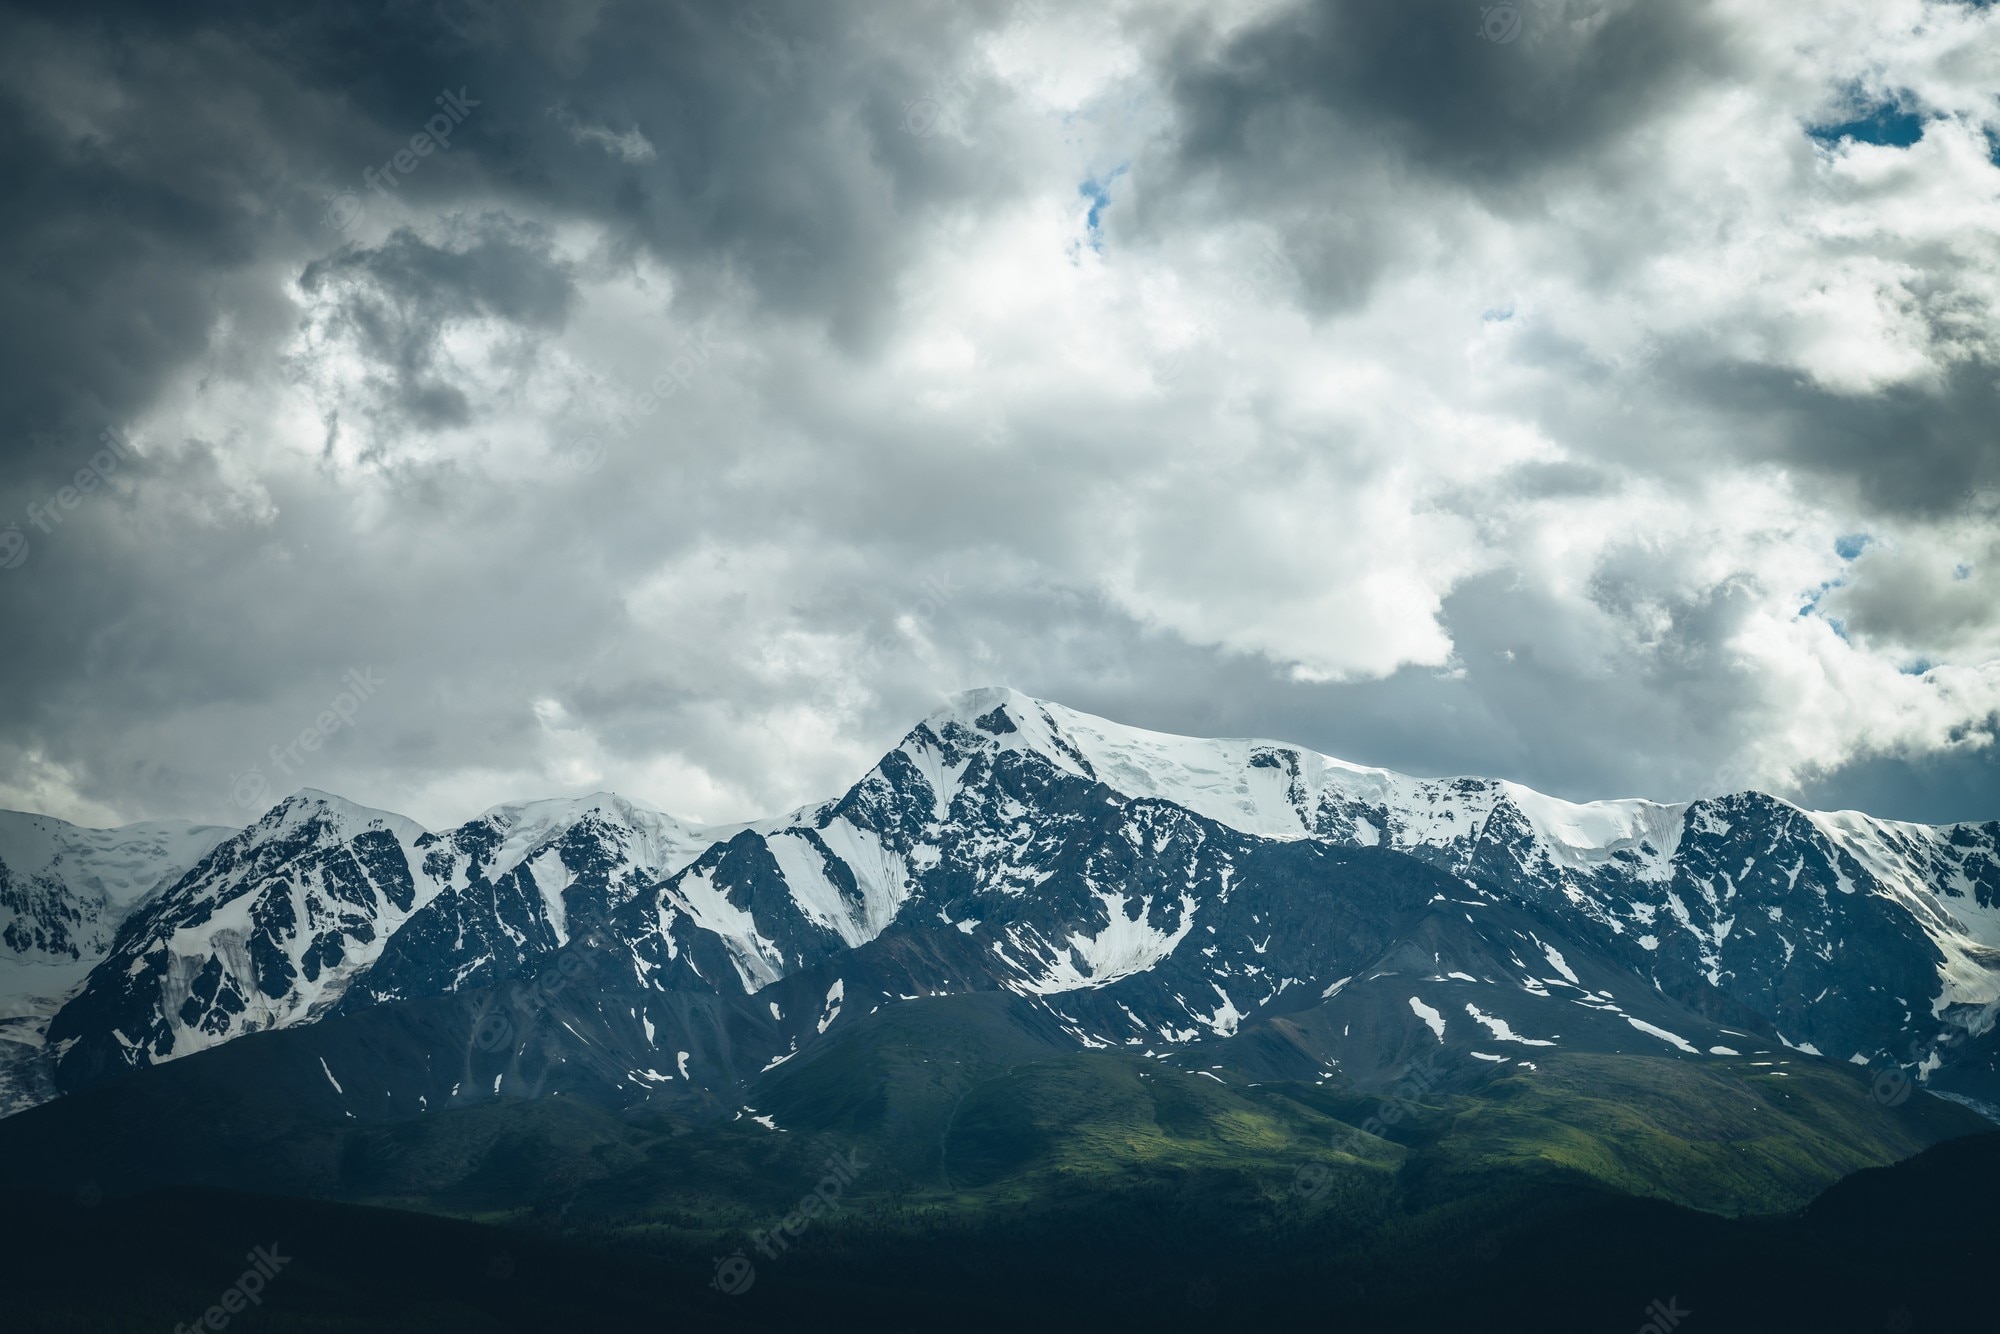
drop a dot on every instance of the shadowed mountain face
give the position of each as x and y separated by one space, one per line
1217 902
64 891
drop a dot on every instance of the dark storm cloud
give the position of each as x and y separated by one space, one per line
1915 448
1422 79
1351 125
1579 722
398 298
916 447
1953 787
151 150
115 258
172 169
1315 118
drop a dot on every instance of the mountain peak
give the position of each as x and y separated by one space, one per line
1252 785
545 809
969 706
310 803
1273 789
659 838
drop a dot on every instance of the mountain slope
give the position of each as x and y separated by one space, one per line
322 903
267 930
1535 1254
64 891
1133 879
1136 889
515 884
970 1101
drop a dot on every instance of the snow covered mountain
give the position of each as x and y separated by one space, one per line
1128 889
514 885
64 891
1155 889
322 898
1152 890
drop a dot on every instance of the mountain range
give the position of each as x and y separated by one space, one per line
1124 889
1064 997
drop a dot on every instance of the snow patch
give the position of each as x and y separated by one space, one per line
1502 1031
1429 1016
1662 1034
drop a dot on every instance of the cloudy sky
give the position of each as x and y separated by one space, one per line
682 398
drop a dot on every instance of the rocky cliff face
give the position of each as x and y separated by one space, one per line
64 892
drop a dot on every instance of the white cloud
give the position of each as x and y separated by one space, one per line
1369 429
